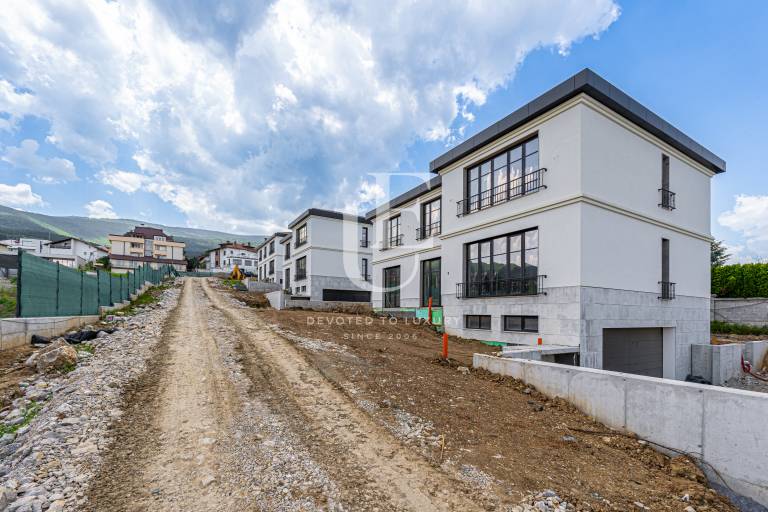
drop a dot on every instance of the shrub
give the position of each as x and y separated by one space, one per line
740 280
726 328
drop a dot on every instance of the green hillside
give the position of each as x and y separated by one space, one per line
18 223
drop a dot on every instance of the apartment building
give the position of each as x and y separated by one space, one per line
579 225
31 245
72 252
228 254
271 257
145 245
328 257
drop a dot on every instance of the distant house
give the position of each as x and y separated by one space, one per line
271 255
145 245
6 249
227 255
72 252
30 245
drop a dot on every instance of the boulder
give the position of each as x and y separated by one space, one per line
56 356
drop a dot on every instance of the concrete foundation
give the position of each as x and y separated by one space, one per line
720 363
17 332
722 426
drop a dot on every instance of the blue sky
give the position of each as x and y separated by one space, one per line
236 116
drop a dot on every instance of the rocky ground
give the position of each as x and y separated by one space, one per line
62 418
750 383
204 402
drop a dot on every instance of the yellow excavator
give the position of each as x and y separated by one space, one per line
237 274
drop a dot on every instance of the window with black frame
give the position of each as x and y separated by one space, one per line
394 238
510 174
301 268
301 236
503 265
430 282
392 287
430 219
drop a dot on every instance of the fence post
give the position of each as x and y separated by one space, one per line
58 271
18 285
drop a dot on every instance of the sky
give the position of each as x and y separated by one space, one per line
237 116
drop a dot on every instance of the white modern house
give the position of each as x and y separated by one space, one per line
579 225
30 245
72 252
227 255
328 257
271 254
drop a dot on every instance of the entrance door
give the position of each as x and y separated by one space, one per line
430 282
392 287
638 351
287 284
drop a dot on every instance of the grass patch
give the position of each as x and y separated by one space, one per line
85 347
150 296
29 414
7 302
726 328
67 368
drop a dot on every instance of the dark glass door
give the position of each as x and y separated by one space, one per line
392 287
430 282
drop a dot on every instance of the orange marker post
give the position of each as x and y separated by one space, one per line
445 346
540 341
429 310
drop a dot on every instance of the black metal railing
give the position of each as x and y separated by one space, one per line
667 290
299 276
501 287
299 243
392 241
518 187
667 199
428 231
366 277
364 242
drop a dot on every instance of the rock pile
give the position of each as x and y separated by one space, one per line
55 433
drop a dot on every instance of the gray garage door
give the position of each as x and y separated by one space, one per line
638 351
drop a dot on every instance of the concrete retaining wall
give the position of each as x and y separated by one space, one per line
725 427
260 287
275 299
740 311
17 332
720 363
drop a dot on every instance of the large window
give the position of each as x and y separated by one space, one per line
272 267
430 219
287 250
430 282
301 268
477 322
521 323
510 174
301 235
504 265
394 238
364 237
392 287
272 247
364 270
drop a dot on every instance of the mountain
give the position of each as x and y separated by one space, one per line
18 223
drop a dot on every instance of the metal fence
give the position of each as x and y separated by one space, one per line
50 289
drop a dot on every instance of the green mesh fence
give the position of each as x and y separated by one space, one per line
49 289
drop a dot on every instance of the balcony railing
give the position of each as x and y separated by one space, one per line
667 290
366 277
501 287
428 231
364 242
518 187
667 199
300 276
299 243
392 241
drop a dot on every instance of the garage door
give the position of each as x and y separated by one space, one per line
638 351
346 295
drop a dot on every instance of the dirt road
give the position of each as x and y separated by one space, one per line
230 416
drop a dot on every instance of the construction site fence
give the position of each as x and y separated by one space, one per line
50 289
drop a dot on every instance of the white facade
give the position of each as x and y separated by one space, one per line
270 259
329 257
72 252
594 230
227 255
30 245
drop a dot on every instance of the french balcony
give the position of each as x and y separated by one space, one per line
667 290
392 241
527 184
364 243
667 199
428 231
501 287
300 277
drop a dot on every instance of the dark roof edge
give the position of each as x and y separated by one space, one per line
328 214
588 82
410 195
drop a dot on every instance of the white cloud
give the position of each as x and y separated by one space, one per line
124 181
45 170
749 218
19 195
100 209
245 115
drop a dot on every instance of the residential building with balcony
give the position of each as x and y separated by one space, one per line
145 245
579 224
72 252
271 254
228 254
328 257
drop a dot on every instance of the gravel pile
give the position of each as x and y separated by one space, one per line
749 383
62 419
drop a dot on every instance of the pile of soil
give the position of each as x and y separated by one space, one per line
13 371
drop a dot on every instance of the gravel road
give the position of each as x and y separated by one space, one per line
230 416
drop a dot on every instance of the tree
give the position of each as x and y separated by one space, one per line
719 254
104 263
192 263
